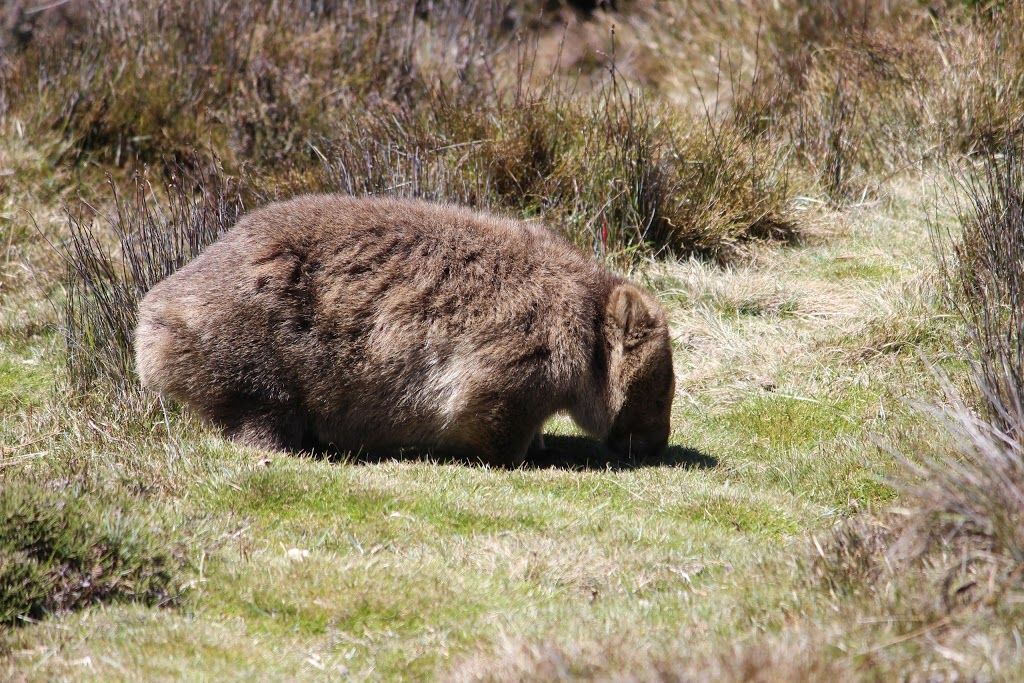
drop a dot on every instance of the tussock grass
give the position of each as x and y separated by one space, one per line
293 91
255 77
616 173
982 483
859 91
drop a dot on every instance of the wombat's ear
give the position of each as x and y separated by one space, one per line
628 311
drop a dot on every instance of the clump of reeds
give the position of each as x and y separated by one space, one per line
112 259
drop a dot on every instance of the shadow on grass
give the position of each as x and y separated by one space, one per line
562 452
581 453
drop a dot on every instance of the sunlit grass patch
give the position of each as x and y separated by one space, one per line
857 268
828 477
114 641
811 445
340 498
448 560
784 421
743 515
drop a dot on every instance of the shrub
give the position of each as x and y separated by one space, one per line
861 91
618 174
152 81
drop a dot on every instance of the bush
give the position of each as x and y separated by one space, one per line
861 91
152 81
619 175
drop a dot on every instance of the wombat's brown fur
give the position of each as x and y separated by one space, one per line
384 323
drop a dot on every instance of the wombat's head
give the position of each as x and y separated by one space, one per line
641 373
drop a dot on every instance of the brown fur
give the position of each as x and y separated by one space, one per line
384 323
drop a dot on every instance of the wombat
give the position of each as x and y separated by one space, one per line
377 324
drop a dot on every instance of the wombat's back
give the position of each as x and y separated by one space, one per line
375 322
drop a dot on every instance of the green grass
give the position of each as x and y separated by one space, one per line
847 268
26 376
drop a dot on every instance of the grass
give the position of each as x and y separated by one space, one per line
768 170
103 290
25 377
